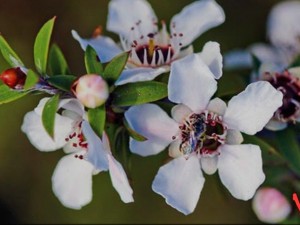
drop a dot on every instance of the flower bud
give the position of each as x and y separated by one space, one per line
14 78
270 205
91 90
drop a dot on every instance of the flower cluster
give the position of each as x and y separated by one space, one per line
160 95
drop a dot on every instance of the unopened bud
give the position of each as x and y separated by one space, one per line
91 90
270 205
14 78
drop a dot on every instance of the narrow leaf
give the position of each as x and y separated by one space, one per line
289 148
57 61
139 93
9 55
135 135
31 80
115 67
230 84
62 82
256 63
92 62
49 113
97 119
41 46
8 95
296 62
268 151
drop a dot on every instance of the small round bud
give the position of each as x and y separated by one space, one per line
270 205
14 78
91 90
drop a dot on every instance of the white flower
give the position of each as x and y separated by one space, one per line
204 133
270 205
88 154
283 31
152 50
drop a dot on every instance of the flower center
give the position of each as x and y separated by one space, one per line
202 133
151 54
290 87
77 140
152 49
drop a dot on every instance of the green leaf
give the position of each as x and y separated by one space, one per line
8 95
31 80
9 55
135 135
62 82
97 119
289 148
139 93
115 67
230 84
57 61
268 151
41 46
296 62
92 63
166 106
49 114
256 63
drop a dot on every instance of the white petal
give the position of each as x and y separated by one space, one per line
180 182
240 169
268 54
250 110
197 18
119 180
125 14
209 164
105 142
283 25
217 105
191 83
105 47
33 127
276 125
237 59
71 104
140 74
72 182
211 56
185 52
180 112
153 123
96 154
174 150
234 137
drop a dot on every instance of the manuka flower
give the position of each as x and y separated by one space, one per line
283 31
88 154
204 133
152 50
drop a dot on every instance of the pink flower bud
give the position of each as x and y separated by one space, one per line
91 90
270 205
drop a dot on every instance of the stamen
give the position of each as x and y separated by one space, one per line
202 134
151 47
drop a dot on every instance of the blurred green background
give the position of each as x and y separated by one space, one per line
25 173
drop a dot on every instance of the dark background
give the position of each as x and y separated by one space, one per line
25 173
